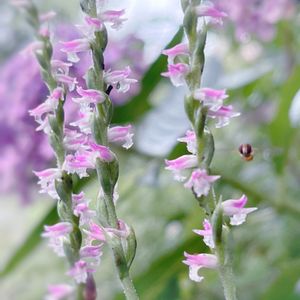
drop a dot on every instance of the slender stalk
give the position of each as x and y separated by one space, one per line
197 114
107 172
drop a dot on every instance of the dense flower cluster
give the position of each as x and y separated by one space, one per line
207 103
77 151
17 128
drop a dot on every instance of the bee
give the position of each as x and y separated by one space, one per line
246 152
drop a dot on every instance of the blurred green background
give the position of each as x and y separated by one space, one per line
262 80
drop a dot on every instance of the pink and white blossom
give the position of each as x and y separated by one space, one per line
59 291
95 232
208 9
47 181
122 135
79 271
57 234
79 163
114 17
207 233
49 106
102 152
181 163
91 251
119 79
84 123
177 73
60 67
211 98
200 182
234 208
75 46
83 211
190 140
68 80
198 261
223 115
74 140
179 49
89 96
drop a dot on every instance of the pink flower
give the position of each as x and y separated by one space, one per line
209 10
180 49
200 182
177 73
49 106
119 79
198 261
75 46
86 159
89 96
60 67
82 210
114 17
93 22
223 114
211 97
91 251
207 234
79 271
68 80
190 140
59 291
98 233
75 140
95 232
79 163
102 152
47 181
84 122
181 163
234 208
121 134
56 234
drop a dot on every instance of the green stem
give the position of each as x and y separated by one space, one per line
225 269
129 289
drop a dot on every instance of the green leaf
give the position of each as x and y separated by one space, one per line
283 287
139 104
32 241
280 130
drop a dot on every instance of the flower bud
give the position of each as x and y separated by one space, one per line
131 247
217 224
108 173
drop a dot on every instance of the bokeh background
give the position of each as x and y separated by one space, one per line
256 57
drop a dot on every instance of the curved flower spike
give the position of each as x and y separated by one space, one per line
234 208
